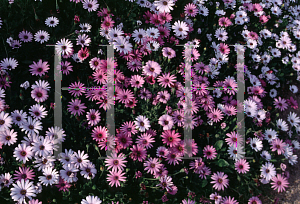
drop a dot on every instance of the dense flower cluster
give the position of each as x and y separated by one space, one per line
144 72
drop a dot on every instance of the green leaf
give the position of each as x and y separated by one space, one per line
248 131
204 183
219 144
94 187
222 163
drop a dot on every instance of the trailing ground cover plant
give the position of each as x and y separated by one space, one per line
147 163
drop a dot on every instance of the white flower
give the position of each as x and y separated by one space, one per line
270 135
281 124
293 119
236 152
256 144
50 176
91 200
25 85
142 123
51 21
266 155
21 190
164 5
180 27
294 88
268 171
273 93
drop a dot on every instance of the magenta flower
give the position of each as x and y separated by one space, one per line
209 152
115 177
63 185
242 166
170 138
39 68
224 21
152 165
116 162
24 173
279 183
76 107
219 180
215 115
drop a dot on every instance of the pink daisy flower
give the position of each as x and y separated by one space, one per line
231 86
215 115
100 77
128 128
39 94
165 182
145 140
170 138
107 23
166 121
95 63
76 107
279 183
63 185
137 81
123 140
173 158
65 67
209 152
280 103
229 110
219 180
125 96
229 200
168 52
24 173
152 165
166 80
93 117
191 10
242 166
39 68
83 53
234 139
254 200
224 21
278 145
138 153
164 17
99 133
151 69
116 162
23 153
115 177
77 89
224 48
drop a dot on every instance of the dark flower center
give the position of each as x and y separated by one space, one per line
23 192
8 138
49 177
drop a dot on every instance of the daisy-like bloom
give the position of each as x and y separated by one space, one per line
152 32
65 67
81 159
64 47
122 45
166 80
166 121
69 173
99 133
83 53
5 180
236 152
83 40
293 119
165 182
145 140
85 27
256 144
221 34
128 128
137 81
188 201
123 140
116 162
67 157
191 9
268 171
152 165
254 200
25 36
216 115
180 28
278 145
209 152
95 63
279 182
41 36
76 107
215 197
93 117
23 153
88 171
8 137
91 200
229 110
63 185
39 68
125 96
139 35
173 157
21 190
224 21
115 177
31 126
57 133
90 5
266 155
42 147
107 23
229 200
5 121
24 173
219 180
138 152
280 103
9 63
170 137
168 52
50 176
164 5
77 89
38 111
52 21
39 94
42 84
162 151
242 166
